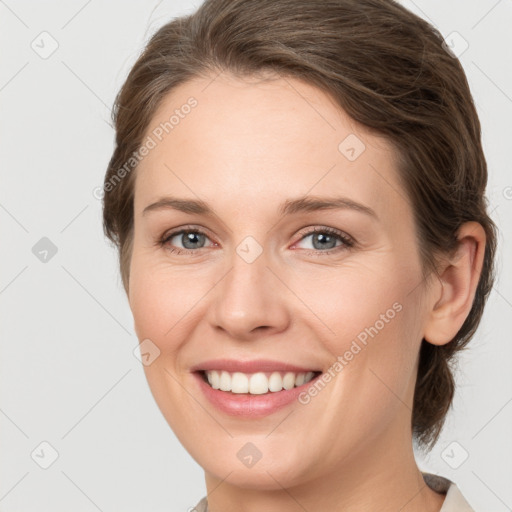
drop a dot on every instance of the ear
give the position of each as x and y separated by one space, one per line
458 277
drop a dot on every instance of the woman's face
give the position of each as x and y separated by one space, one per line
267 286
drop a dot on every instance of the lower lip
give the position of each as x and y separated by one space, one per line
247 405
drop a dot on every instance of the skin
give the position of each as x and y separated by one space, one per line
248 146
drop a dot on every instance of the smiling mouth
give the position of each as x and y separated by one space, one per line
256 383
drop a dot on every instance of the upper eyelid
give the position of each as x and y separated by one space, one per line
185 229
303 233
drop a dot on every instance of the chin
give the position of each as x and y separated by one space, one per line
269 473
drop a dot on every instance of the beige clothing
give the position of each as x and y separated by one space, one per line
454 501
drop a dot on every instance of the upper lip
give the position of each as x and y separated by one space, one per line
252 366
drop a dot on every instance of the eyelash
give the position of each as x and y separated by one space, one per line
347 241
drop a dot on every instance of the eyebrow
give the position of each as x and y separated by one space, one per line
289 207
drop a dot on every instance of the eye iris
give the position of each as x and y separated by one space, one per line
323 238
191 238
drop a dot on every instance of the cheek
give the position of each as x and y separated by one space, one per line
167 304
348 300
157 301
370 319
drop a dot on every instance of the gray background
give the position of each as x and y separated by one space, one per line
68 374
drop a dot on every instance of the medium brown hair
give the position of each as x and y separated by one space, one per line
389 70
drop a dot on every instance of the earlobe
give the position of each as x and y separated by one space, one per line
459 279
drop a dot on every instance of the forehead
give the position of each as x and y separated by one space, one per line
224 138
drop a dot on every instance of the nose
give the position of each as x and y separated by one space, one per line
249 301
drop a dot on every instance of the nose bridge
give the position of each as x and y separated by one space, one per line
246 298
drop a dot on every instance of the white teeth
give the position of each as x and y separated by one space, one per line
275 383
214 379
256 383
289 381
239 383
225 381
